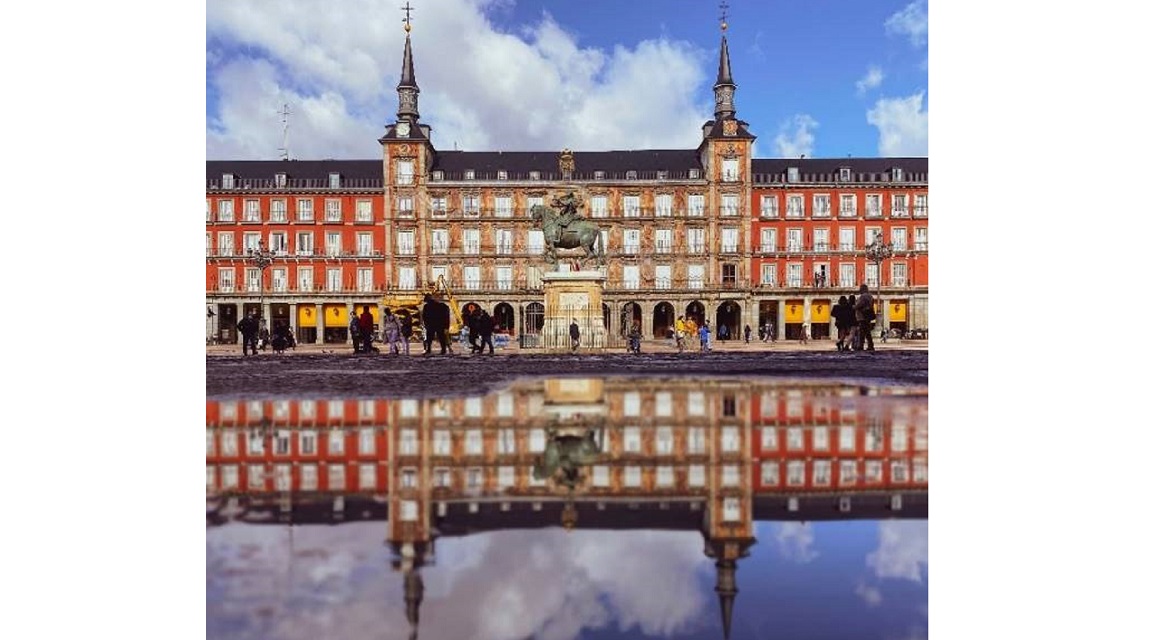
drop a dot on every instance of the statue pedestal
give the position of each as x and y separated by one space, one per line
578 296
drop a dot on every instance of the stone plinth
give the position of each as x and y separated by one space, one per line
573 295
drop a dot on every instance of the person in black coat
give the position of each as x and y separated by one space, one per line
436 318
249 328
485 325
844 316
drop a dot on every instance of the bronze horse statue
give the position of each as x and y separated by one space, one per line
578 233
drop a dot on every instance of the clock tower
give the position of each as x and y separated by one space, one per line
408 155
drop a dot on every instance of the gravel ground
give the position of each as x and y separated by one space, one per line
320 374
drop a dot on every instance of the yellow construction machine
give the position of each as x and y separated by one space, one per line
410 302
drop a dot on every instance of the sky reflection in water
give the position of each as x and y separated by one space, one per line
817 577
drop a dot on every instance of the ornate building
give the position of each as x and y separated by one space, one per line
711 456
707 232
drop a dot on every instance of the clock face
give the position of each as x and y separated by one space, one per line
403 129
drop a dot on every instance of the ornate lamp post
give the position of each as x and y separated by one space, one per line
877 252
262 259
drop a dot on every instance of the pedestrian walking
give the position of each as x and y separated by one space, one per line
485 325
391 330
573 334
747 334
865 316
704 337
367 331
436 318
249 328
844 317
354 332
680 333
406 331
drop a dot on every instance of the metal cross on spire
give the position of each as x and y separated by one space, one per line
723 7
407 9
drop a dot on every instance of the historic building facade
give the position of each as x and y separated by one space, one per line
710 456
708 232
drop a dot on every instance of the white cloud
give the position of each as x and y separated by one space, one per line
902 124
902 551
795 540
870 81
869 594
910 21
480 88
795 137
338 582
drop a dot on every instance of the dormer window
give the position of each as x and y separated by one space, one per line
333 181
437 175
469 174
661 175
793 174
844 174
533 175
599 175
896 174
501 175
229 181
281 180
693 174
631 175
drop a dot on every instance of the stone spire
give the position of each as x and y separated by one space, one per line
413 597
409 91
724 86
725 587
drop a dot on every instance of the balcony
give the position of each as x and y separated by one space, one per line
675 284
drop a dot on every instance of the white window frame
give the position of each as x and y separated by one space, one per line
363 210
821 205
304 210
367 476
769 473
696 476
847 208
729 170
767 275
333 211
795 206
695 205
769 206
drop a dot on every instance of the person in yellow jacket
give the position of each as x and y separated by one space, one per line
690 329
680 333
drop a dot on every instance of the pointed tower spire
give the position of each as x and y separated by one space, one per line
413 597
408 90
724 85
725 587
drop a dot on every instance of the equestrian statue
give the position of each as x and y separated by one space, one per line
567 229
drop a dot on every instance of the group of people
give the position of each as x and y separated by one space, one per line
479 326
854 317
686 329
257 338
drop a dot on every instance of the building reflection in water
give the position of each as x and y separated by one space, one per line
711 456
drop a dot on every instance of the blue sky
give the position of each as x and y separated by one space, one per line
821 78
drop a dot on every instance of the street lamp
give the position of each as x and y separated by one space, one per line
262 259
877 252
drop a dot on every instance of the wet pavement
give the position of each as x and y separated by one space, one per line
315 372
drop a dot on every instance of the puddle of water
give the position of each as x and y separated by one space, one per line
572 508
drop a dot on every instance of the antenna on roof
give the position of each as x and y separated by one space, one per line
284 118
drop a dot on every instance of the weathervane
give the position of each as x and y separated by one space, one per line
723 7
407 9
